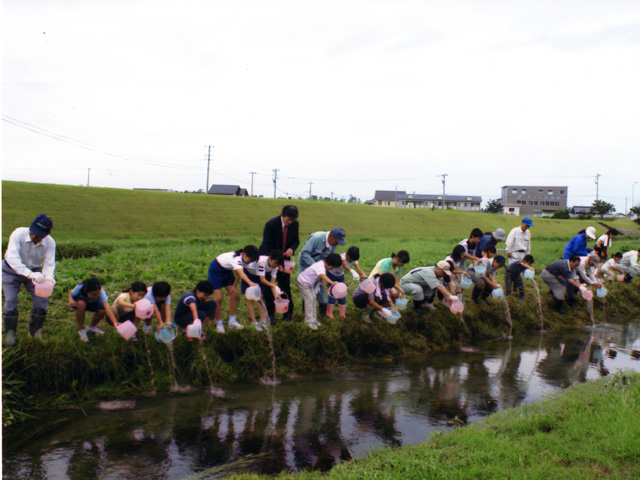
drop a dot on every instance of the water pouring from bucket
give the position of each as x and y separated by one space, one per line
44 288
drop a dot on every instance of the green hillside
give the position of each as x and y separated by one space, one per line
91 213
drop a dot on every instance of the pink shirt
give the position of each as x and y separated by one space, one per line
309 277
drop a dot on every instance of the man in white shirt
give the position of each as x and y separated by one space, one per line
629 265
518 242
30 257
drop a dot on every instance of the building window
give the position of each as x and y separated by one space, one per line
541 191
466 204
561 192
511 209
535 203
550 192
514 190
524 190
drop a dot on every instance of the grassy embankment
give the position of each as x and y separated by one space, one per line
589 431
122 235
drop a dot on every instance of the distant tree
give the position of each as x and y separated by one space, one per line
563 214
600 207
636 210
493 206
353 199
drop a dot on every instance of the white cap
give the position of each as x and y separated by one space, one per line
444 265
591 232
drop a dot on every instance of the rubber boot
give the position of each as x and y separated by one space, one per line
417 306
10 328
322 310
559 308
36 323
330 309
342 310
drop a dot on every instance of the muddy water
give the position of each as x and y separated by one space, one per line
317 420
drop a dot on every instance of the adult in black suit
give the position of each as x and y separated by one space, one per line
274 238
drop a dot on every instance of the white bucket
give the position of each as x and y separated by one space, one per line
195 329
253 293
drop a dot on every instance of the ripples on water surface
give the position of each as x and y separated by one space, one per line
315 421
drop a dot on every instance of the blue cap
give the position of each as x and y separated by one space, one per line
527 221
41 225
339 234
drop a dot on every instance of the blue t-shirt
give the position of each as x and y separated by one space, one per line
76 293
149 296
183 304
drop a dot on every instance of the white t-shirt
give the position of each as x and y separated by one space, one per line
230 261
606 241
309 277
261 267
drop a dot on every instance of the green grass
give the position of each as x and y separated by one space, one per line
589 431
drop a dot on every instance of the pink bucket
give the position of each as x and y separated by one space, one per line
587 294
368 286
144 308
338 291
620 278
44 288
287 266
127 329
282 306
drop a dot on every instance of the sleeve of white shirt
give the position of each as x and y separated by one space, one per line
509 242
12 255
49 265
528 242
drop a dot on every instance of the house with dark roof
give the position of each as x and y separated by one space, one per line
387 198
468 203
231 190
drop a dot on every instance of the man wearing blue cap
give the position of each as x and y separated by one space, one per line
518 242
30 257
318 247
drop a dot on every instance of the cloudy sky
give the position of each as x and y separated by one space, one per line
350 96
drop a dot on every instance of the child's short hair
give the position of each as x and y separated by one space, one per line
402 255
277 256
91 285
137 287
387 280
250 251
528 258
353 253
333 260
574 258
491 249
204 286
290 211
475 233
617 255
161 289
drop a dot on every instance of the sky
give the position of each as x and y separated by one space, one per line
341 97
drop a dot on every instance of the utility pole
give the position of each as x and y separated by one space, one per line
444 184
633 198
310 183
88 176
252 174
275 179
332 196
597 185
206 190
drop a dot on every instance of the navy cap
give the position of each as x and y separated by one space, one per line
527 221
339 234
500 259
41 225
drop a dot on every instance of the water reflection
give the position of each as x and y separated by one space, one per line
318 421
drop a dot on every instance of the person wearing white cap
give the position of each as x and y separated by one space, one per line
30 257
423 282
518 242
578 244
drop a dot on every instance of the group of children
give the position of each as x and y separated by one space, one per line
473 262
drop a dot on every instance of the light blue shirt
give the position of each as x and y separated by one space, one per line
317 248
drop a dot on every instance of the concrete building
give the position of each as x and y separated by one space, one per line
538 201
